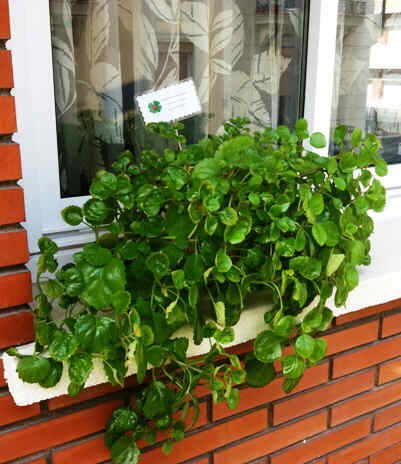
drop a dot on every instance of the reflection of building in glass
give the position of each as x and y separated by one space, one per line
368 83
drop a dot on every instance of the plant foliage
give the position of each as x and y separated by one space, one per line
185 239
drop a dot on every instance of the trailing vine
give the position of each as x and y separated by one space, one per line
186 238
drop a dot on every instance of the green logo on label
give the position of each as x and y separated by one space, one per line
155 107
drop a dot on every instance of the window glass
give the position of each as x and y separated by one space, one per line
368 79
246 58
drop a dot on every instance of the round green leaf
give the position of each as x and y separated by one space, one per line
293 366
237 233
223 261
159 264
284 326
125 451
33 369
72 215
304 346
56 371
267 347
63 346
259 374
318 140
228 216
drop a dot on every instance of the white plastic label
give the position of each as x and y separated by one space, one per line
173 103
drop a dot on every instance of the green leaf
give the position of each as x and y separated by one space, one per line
72 215
304 346
319 351
211 225
334 263
159 264
233 399
351 276
33 369
220 310
340 183
178 277
381 167
312 320
47 246
356 137
95 255
300 293
259 374
79 368
316 204
293 366
223 261
206 169
52 288
95 334
54 376
319 234
290 384
125 451
327 317
158 400
318 140
97 212
267 347
167 447
284 326
121 301
63 346
310 268
300 240
237 233
121 421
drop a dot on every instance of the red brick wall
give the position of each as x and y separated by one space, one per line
346 410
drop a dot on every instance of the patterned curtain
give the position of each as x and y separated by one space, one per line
105 52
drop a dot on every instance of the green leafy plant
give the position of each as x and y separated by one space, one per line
186 238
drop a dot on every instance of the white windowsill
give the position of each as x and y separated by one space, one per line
379 283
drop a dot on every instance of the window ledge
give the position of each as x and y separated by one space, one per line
379 283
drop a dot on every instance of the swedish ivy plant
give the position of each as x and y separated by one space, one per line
185 238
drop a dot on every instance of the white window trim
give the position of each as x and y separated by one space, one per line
32 56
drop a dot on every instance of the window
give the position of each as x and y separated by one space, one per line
368 71
78 65
246 58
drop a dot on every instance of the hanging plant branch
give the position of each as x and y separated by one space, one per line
185 238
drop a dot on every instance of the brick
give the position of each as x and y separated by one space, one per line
12 208
321 397
2 379
86 394
366 357
93 451
391 325
371 445
388 417
38 461
11 413
324 444
273 441
390 455
13 248
15 289
210 439
8 119
365 403
4 20
353 337
10 162
6 75
251 398
54 432
16 329
367 312
390 371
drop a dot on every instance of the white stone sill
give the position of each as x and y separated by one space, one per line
379 283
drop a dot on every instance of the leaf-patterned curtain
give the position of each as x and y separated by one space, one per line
105 52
